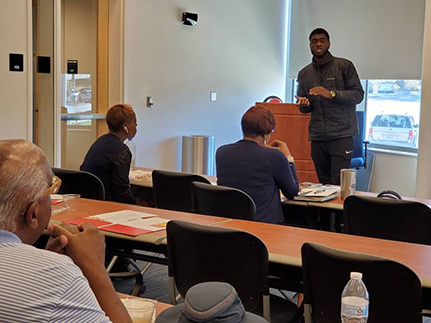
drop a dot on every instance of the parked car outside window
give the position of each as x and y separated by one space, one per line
84 95
386 86
393 129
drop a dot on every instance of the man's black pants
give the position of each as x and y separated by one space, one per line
330 157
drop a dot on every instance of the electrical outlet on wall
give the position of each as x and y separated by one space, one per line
213 96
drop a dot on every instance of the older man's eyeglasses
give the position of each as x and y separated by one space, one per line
54 188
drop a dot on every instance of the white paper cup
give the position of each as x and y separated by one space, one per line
140 310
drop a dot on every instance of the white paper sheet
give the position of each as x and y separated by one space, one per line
141 175
320 191
122 217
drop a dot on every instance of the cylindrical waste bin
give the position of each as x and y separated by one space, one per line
198 154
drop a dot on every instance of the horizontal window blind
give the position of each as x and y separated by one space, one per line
383 38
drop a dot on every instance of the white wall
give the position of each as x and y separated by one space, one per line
423 186
15 101
237 49
394 172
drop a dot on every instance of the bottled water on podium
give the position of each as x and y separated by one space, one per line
354 300
132 148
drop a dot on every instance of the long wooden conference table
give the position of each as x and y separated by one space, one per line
335 204
283 242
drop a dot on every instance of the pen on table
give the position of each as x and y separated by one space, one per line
318 191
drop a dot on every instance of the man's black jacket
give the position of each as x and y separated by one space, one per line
331 118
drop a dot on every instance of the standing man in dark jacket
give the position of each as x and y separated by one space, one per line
329 88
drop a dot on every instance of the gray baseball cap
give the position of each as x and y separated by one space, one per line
210 302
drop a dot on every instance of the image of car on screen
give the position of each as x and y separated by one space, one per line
394 129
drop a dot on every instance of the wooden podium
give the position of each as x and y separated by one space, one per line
291 126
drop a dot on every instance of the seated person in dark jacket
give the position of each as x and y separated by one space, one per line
109 158
259 169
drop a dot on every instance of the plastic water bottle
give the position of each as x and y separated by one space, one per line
132 148
354 300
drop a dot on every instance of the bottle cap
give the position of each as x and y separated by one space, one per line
355 275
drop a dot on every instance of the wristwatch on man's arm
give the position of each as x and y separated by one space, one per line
333 94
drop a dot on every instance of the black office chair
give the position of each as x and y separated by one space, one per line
172 190
79 182
360 145
199 254
222 201
395 290
390 219
272 99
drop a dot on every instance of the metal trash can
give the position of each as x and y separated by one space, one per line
198 154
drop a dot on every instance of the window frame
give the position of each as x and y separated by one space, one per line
383 147
371 146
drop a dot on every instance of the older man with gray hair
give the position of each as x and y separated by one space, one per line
68 285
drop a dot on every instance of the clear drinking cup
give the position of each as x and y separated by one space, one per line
140 310
69 200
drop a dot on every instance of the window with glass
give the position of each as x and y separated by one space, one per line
392 113
77 96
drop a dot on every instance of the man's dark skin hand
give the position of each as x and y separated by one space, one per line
320 91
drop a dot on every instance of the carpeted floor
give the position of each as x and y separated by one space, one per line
155 280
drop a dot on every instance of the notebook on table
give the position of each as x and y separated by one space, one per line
318 194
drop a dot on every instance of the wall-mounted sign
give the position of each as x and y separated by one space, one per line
16 62
72 67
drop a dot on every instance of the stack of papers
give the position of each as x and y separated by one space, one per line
309 185
319 193
125 222
141 176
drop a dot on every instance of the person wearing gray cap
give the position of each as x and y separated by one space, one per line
210 302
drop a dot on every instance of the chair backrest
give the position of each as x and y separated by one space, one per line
398 220
394 289
199 254
273 99
222 201
79 182
359 156
172 190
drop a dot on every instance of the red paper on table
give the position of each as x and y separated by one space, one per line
56 201
124 229
94 222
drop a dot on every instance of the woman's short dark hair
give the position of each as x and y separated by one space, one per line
257 121
118 115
